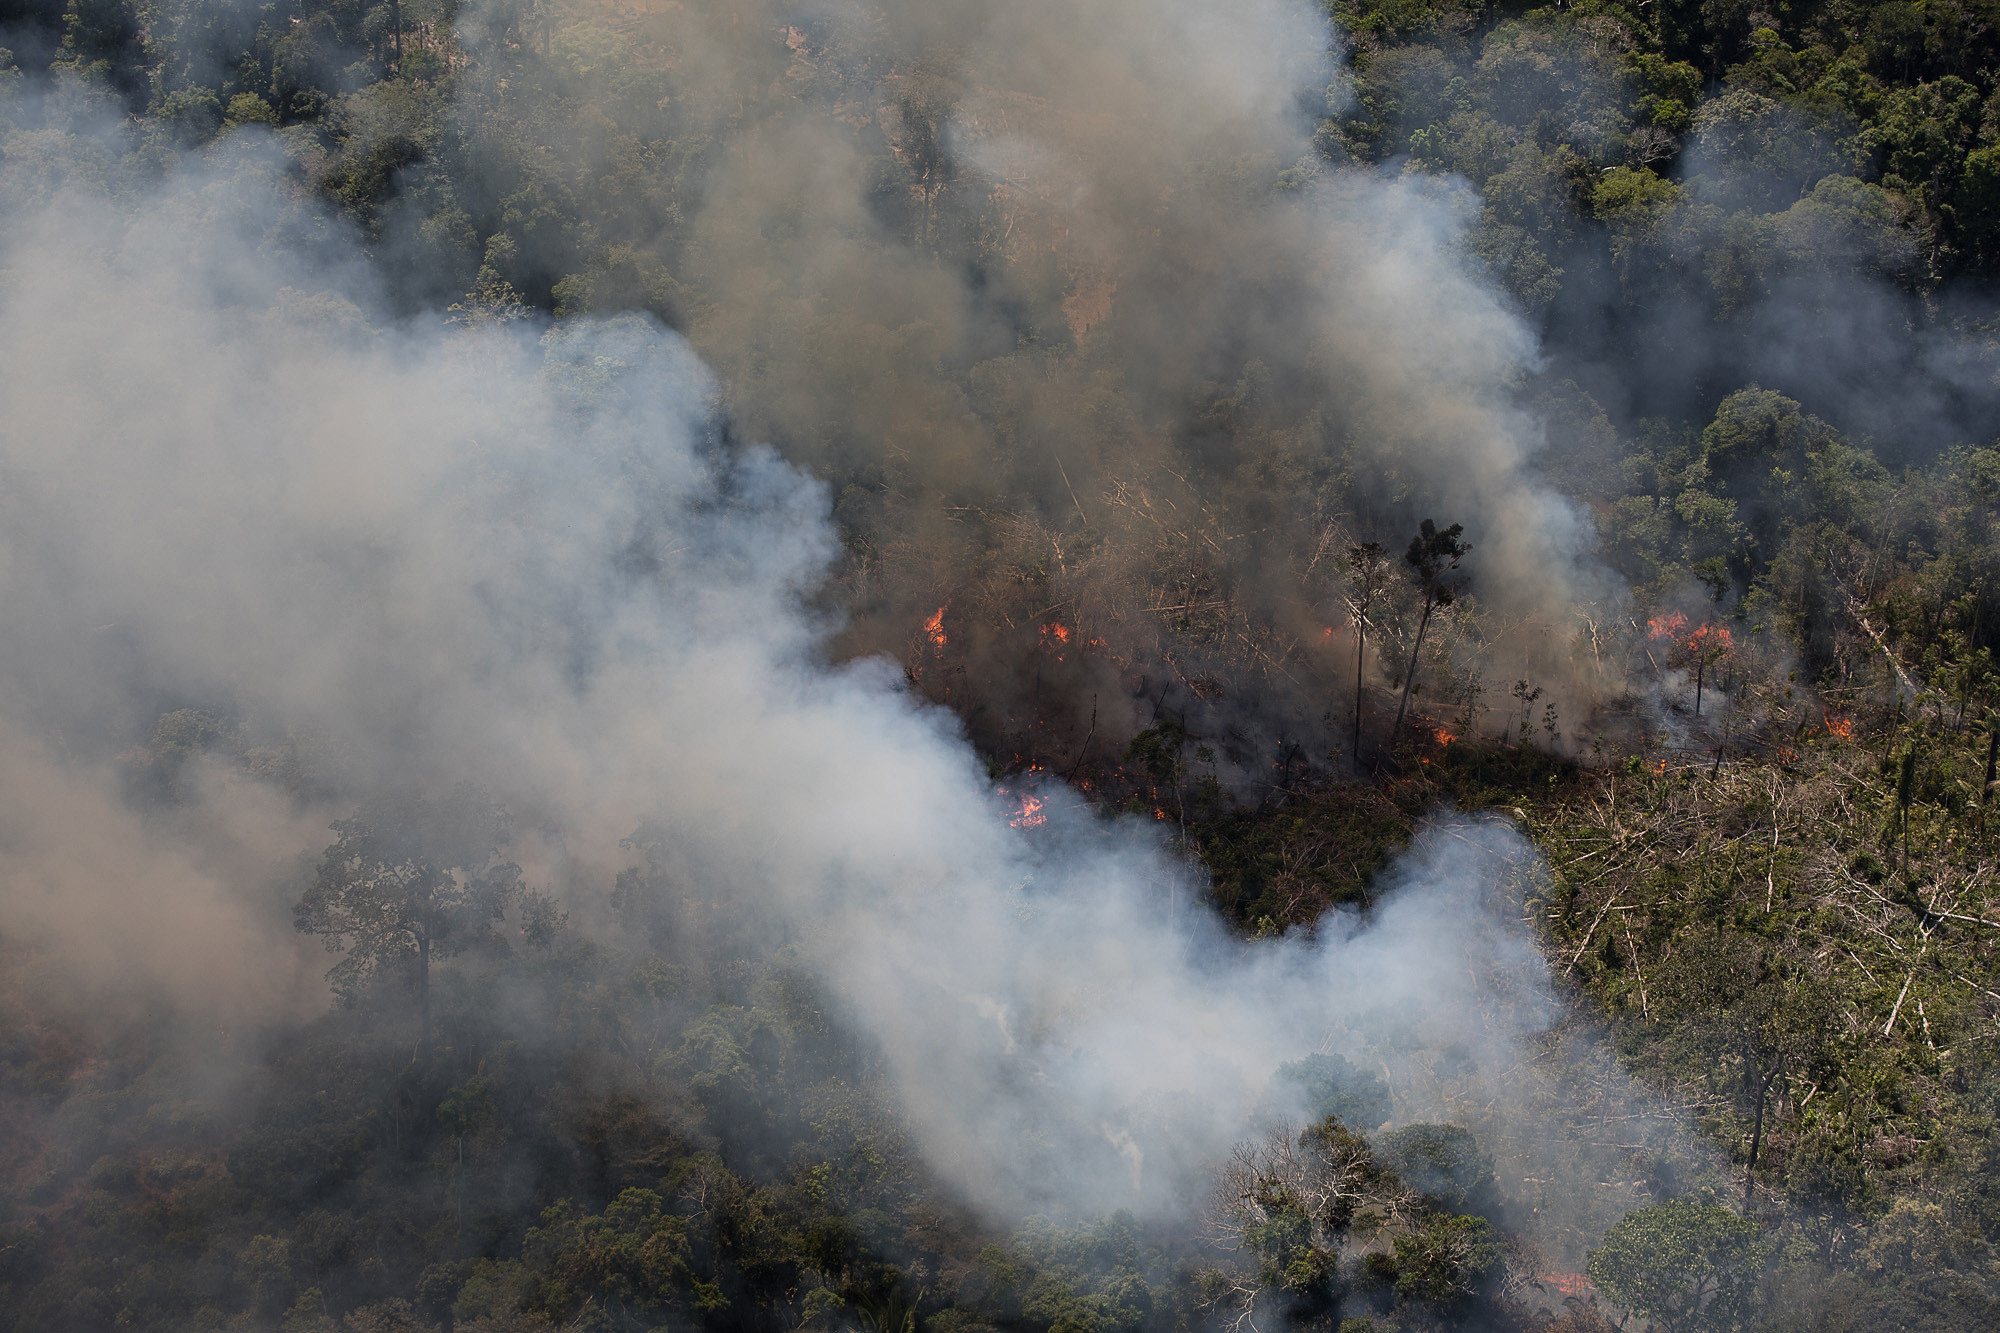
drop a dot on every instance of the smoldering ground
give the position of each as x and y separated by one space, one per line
403 556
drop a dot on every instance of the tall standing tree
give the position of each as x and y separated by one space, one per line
406 882
1707 648
1906 793
1433 554
1992 757
1684 1265
1768 1015
1368 566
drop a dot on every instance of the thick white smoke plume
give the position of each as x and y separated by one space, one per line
528 558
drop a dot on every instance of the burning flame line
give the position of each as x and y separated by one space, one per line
1711 640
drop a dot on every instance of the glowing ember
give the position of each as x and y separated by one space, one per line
1326 634
1030 814
934 629
1444 737
1841 727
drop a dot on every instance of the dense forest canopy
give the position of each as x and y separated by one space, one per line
1084 666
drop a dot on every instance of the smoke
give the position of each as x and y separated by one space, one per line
93 901
1777 264
389 555
1076 321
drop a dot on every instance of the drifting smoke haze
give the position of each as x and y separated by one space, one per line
1081 330
400 556
1822 315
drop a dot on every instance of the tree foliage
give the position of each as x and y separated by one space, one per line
408 881
1686 1264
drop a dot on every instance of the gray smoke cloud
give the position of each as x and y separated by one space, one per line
417 554
1065 302
1780 264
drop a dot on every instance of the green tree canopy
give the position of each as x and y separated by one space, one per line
1686 1265
408 880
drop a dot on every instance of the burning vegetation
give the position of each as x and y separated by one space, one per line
673 963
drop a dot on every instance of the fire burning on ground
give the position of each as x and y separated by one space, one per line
1841 728
1030 814
1027 810
934 630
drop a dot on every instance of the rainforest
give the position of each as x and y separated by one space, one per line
1043 666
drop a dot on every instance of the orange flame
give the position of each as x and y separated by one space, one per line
1052 630
1030 814
1841 727
1326 635
1569 1284
1711 640
1444 737
934 629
